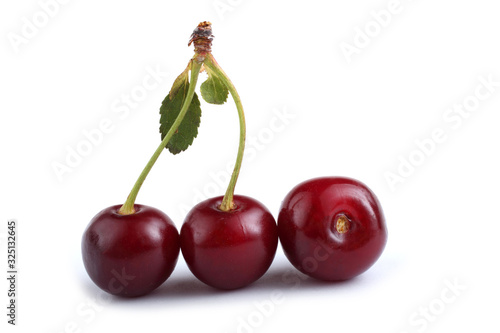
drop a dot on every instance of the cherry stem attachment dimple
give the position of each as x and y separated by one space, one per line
342 223
228 203
128 207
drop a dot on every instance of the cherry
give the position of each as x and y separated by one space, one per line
132 249
228 242
332 228
229 249
130 255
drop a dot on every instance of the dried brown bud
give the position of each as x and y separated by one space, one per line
202 39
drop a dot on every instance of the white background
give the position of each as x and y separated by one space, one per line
355 116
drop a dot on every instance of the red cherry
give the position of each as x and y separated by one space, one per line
332 228
229 250
130 255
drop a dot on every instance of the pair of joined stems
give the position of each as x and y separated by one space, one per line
209 61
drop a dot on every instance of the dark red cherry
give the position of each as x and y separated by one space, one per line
130 255
229 250
332 228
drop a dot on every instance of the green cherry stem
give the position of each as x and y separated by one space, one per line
128 206
227 203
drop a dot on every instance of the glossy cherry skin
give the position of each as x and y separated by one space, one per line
130 255
311 239
229 250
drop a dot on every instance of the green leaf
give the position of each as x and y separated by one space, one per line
213 90
169 110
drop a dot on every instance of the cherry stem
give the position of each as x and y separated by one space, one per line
227 203
128 206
